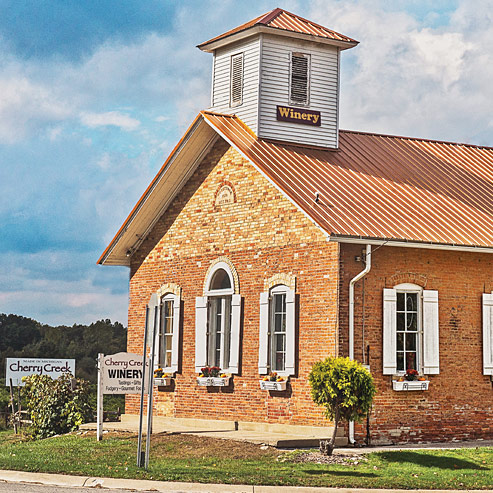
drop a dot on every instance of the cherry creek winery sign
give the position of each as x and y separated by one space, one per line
121 373
298 115
16 368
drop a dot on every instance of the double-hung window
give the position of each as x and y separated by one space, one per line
164 317
217 322
277 336
277 331
410 330
488 334
165 353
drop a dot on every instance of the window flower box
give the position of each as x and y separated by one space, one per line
407 385
162 381
268 385
213 381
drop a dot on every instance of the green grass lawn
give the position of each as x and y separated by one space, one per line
200 459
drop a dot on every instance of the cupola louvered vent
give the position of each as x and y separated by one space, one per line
300 65
236 97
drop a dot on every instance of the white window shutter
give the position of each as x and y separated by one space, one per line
200 332
290 332
234 348
431 360
488 334
389 331
175 343
263 353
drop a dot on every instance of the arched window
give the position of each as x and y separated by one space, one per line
218 321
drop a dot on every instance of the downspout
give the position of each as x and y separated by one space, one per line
353 281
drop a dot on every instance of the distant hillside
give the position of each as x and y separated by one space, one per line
25 337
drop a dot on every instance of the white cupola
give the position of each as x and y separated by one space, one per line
280 74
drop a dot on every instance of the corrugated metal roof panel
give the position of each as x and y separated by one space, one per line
282 19
379 186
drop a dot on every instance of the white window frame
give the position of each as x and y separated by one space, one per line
487 303
428 351
203 335
308 77
157 300
169 297
266 334
236 56
418 290
277 290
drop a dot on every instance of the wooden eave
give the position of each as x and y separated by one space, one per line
174 173
257 29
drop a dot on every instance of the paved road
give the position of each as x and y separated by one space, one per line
39 488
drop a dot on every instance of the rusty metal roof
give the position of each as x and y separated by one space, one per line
374 188
380 186
282 20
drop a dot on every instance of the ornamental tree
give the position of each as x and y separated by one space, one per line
345 389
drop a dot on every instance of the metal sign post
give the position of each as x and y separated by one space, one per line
141 411
99 433
150 394
151 327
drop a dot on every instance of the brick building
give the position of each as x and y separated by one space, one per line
271 239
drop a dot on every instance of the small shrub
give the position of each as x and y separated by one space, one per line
56 406
344 388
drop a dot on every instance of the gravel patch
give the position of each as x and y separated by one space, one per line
344 459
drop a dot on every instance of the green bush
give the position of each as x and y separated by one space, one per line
344 388
56 406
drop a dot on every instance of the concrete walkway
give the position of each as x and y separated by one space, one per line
275 435
175 487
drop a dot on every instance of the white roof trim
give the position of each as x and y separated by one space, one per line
180 165
410 244
256 29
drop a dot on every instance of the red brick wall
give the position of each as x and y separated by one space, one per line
459 402
262 234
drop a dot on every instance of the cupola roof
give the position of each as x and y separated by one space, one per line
282 22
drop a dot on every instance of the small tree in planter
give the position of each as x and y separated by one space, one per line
345 389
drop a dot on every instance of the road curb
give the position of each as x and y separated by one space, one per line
175 487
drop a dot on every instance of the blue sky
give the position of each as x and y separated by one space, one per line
93 95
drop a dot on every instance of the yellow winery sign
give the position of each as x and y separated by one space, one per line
298 115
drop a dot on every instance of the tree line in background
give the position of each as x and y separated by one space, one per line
26 338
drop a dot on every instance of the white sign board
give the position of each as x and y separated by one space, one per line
121 373
16 368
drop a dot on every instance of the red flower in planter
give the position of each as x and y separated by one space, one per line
411 375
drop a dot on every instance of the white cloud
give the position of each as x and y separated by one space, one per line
155 73
53 287
411 80
26 106
66 303
113 118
